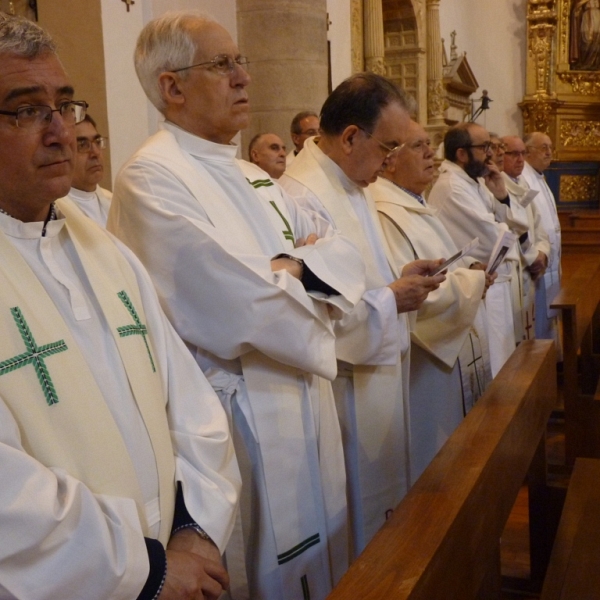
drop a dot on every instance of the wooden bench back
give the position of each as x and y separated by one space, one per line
440 539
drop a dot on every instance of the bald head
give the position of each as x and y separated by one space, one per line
267 150
412 168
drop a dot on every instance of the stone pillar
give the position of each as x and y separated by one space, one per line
286 44
374 40
435 88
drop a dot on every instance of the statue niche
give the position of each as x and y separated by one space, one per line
584 43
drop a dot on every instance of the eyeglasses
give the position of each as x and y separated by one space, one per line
85 144
222 64
485 146
39 117
390 151
515 153
543 148
498 146
309 132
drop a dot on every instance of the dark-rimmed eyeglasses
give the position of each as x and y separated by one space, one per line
485 146
34 117
390 151
85 144
221 64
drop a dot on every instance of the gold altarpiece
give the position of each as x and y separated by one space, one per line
562 93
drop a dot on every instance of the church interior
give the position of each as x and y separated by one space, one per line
481 525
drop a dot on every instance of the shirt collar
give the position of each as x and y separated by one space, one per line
199 147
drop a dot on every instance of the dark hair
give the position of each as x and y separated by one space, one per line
455 138
295 126
89 119
359 101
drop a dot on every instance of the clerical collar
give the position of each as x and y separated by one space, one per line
417 197
51 217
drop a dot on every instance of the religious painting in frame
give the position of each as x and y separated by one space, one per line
23 8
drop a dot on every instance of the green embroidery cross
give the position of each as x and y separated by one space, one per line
35 356
138 328
287 233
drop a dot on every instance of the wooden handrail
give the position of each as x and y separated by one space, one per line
441 538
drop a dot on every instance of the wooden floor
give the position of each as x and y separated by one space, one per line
514 545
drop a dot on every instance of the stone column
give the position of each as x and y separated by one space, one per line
286 44
435 88
373 32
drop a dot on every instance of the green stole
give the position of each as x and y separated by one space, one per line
62 416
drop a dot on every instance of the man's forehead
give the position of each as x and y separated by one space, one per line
212 39
514 143
22 77
479 134
541 138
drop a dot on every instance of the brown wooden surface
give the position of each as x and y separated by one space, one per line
574 570
442 540
577 300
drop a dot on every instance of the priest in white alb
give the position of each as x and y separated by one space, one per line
537 160
86 193
449 359
534 246
118 473
249 281
362 125
471 200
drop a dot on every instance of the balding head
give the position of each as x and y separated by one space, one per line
267 150
412 168
539 150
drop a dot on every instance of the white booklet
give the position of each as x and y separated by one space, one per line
504 243
464 252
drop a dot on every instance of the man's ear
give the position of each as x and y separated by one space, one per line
170 91
348 138
462 156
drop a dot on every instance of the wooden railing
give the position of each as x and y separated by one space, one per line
442 541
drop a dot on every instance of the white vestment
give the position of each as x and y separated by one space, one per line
546 325
289 159
536 242
207 226
449 359
66 533
94 204
372 386
468 210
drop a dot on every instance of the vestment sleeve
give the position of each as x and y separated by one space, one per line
204 456
196 273
369 334
59 540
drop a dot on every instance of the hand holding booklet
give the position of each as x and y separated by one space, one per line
463 252
503 244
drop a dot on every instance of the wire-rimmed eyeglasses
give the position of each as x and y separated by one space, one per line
222 64
390 151
85 144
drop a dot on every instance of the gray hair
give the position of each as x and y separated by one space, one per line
23 38
164 44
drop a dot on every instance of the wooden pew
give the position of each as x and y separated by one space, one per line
574 569
442 541
578 301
